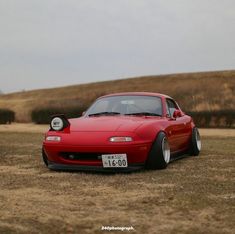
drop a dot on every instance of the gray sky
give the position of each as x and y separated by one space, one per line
48 43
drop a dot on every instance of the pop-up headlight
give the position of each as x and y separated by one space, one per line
57 124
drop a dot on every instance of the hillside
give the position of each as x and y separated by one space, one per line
193 91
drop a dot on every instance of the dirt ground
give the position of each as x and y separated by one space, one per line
193 195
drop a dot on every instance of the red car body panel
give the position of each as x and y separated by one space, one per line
90 135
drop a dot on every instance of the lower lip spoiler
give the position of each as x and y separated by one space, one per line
68 167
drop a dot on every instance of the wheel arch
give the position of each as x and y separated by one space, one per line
150 132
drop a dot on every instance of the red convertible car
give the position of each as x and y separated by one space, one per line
121 132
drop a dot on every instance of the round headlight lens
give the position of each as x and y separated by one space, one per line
57 124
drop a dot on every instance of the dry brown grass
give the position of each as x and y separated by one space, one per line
193 91
193 195
24 128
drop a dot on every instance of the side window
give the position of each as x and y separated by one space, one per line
171 107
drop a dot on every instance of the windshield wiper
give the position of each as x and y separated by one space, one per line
144 113
104 113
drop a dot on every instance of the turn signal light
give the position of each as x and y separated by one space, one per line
121 139
53 138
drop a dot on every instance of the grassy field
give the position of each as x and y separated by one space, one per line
205 91
193 195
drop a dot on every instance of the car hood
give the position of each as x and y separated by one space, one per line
110 123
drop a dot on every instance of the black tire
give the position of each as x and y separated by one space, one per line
195 142
157 156
44 158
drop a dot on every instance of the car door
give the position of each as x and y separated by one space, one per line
177 129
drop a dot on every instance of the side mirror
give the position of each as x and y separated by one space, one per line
177 114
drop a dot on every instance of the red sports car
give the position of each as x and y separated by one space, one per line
122 132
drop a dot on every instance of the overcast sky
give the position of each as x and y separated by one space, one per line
48 43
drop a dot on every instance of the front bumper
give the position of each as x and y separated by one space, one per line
136 156
76 167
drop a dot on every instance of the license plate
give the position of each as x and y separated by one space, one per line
114 160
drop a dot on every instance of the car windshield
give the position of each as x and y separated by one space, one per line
126 105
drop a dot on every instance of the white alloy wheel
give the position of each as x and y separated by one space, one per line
198 140
166 150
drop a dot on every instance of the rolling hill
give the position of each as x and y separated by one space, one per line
203 91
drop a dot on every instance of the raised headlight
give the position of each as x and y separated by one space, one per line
57 124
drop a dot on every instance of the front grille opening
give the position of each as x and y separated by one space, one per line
81 156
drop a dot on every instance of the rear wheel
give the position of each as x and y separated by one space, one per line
160 154
44 158
196 144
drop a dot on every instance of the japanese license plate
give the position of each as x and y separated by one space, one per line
114 160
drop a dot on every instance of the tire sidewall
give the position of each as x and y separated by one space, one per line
156 158
194 146
44 157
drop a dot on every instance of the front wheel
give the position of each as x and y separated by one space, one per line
196 144
44 158
160 154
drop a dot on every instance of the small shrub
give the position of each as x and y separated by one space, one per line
43 116
7 116
219 119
